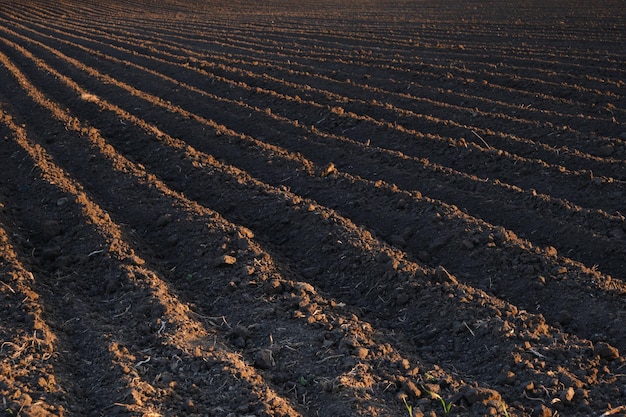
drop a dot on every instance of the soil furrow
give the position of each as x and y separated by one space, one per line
293 35
577 186
374 262
87 372
236 209
497 263
150 301
443 65
593 252
119 190
27 348
591 147
179 44
339 40
259 263
563 153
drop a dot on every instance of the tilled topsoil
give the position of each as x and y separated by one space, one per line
316 208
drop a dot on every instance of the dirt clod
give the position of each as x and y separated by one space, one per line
264 359
444 276
225 260
567 395
606 351
50 229
481 395
542 411
328 169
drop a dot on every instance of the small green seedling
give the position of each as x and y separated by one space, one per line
445 405
408 406
506 413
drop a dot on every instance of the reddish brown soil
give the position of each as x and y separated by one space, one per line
317 208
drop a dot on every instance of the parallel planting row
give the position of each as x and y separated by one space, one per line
312 209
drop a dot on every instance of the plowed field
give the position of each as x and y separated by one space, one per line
316 208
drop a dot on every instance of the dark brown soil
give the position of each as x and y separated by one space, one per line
316 208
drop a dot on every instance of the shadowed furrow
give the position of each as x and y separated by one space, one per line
166 317
221 209
514 196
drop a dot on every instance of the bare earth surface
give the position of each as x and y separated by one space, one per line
315 208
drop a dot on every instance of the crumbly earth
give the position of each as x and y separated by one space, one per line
312 208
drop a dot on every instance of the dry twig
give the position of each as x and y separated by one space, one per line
481 139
